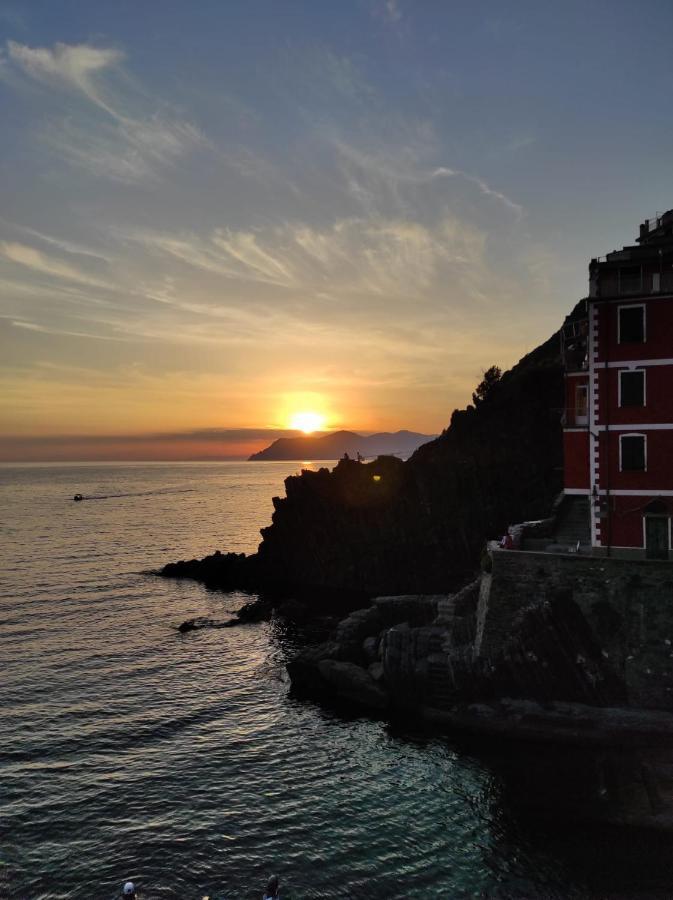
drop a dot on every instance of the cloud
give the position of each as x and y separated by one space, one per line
73 66
391 11
388 11
68 246
404 254
485 189
109 127
205 443
31 258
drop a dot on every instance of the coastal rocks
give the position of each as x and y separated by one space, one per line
394 527
226 571
348 680
255 611
201 622
376 653
422 651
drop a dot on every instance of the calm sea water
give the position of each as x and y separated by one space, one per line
182 762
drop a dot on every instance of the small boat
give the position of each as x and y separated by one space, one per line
77 498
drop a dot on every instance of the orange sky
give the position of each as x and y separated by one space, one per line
355 227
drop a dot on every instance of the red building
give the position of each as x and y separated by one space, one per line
618 431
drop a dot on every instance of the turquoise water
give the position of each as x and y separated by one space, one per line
183 762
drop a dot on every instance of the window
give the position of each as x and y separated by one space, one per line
632 388
630 280
632 453
631 328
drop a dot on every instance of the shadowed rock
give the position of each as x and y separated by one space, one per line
393 527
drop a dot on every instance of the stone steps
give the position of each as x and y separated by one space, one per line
573 522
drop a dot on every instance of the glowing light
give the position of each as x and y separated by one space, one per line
307 422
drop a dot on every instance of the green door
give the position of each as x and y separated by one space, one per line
656 537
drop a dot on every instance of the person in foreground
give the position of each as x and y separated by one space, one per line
271 892
129 891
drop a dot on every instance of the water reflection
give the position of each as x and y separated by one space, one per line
183 763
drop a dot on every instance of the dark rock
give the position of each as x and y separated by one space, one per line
394 527
227 571
255 611
375 669
370 648
303 668
201 622
353 683
295 611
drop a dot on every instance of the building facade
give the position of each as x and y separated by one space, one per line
617 348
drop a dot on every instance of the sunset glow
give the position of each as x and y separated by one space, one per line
191 272
307 422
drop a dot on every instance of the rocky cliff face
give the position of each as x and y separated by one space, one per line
391 527
548 681
419 526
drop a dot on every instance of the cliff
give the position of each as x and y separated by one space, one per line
418 526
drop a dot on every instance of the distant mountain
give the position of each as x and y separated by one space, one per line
333 446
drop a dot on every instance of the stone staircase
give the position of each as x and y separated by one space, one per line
573 522
440 686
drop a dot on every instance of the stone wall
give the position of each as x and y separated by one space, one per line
627 604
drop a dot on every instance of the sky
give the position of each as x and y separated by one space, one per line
217 215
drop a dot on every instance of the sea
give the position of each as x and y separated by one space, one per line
185 763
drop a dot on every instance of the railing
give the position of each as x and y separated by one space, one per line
576 359
631 285
574 345
575 416
650 283
654 222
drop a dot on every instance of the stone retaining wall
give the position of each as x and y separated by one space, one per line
627 603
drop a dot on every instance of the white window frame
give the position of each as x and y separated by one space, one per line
633 434
619 386
622 306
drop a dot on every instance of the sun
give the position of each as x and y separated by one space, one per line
308 422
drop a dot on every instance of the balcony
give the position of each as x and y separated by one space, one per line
575 417
612 284
574 345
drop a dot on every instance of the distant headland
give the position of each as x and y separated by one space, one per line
335 445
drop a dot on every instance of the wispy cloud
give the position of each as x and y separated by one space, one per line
487 190
392 11
68 246
31 258
110 127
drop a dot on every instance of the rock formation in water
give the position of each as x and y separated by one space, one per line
558 672
418 526
556 650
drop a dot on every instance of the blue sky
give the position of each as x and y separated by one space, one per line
217 214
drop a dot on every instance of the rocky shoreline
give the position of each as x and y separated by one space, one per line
546 650
543 694
391 527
